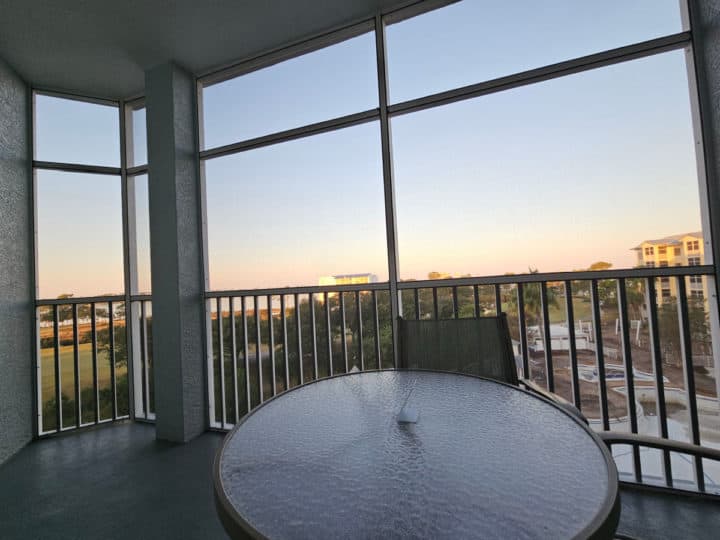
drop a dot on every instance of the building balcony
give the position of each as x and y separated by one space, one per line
617 363
203 211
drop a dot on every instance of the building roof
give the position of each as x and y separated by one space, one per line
672 240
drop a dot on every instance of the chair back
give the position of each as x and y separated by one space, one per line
479 346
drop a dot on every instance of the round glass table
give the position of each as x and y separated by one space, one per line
410 453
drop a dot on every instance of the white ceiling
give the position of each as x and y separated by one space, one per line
102 48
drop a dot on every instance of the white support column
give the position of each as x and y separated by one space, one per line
176 254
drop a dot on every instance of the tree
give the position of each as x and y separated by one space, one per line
65 311
669 329
532 298
600 265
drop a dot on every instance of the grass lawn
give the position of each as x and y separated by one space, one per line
582 310
67 370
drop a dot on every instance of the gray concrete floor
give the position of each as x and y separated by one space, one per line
117 481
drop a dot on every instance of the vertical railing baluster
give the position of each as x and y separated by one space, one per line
476 300
343 336
313 330
656 352
686 350
329 332
271 345
286 356
113 381
572 345
599 353
435 303
221 359
298 327
376 321
144 359
246 353
629 376
93 337
144 375
523 330
76 364
498 300
358 314
549 368
455 308
58 382
258 347
233 356
416 298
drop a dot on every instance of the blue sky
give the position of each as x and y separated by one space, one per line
555 175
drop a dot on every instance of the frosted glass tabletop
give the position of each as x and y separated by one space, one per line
483 460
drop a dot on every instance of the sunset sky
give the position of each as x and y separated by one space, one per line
552 176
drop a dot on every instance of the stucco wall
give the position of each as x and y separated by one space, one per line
16 266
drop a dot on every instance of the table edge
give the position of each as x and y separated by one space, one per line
602 526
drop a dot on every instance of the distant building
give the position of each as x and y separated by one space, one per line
348 279
677 250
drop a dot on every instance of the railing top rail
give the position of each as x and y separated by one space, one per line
700 270
90 299
315 289
79 300
646 272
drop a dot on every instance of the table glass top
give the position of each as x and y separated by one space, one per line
484 460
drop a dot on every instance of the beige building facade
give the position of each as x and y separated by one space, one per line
686 249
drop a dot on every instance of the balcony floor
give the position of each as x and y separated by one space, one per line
119 482
116 481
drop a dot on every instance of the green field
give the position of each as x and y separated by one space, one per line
582 310
67 370
67 380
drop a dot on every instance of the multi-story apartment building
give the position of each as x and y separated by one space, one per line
686 249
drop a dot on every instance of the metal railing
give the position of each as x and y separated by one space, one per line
276 339
632 349
85 361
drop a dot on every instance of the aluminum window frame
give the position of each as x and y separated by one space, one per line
127 296
682 40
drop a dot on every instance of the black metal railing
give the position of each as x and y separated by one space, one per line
275 339
630 348
84 360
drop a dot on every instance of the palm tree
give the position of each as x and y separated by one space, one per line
532 299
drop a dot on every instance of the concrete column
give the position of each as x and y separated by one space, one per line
176 254
704 17
16 266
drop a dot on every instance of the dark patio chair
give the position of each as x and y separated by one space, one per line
479 346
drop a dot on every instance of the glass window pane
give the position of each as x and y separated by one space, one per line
473 41
79 234
335 81
71 131
138 186
553 176
296 212
137 136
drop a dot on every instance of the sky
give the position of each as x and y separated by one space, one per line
553 176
